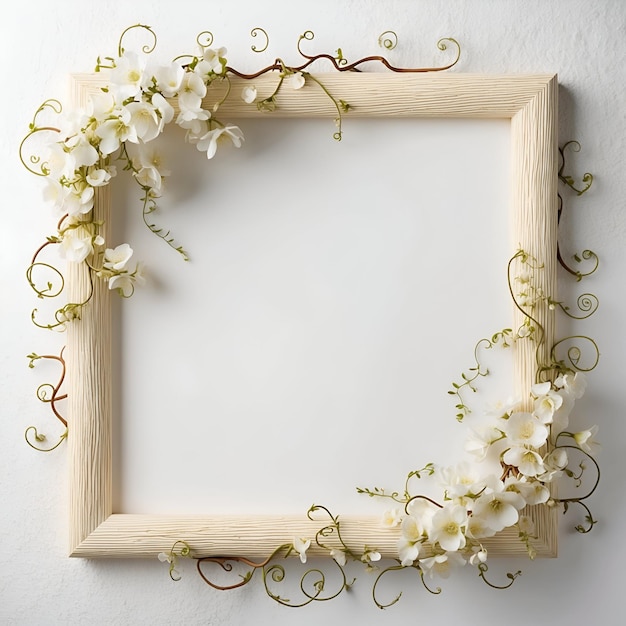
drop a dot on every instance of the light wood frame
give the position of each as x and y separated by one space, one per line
530 102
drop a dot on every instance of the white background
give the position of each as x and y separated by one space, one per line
583 42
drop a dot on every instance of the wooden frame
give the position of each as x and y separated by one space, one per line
530 102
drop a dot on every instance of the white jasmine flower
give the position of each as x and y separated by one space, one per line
339 556
295 80
448 527
441 564
82 152
148 162
527 461
461 481
546 403
79 200
248 94
77 243
127 77
502 409
498 510
123 283
117 258
116 130
479 555
524 429
164 108
101 105
145 121
585 439
370 556
422 511
574 385
165 558
301 546
55 193
409 543
554 463
210 140
190 95
480 440
477 528
169 78
213 61
98 177
391 518
533 491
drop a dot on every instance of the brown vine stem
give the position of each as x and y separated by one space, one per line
279 65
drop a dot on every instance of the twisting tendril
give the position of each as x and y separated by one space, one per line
148 48
388 40
255 32
33 163
205 39
49 394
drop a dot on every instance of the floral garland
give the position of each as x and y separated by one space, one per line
532 446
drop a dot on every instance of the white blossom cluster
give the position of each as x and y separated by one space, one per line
477 507
120 123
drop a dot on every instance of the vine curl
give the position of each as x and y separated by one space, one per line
148 48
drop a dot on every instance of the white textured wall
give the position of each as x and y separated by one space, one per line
584 42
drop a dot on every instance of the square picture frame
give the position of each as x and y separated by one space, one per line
529 102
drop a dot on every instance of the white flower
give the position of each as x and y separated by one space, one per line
441 564
295 80
525 429
554 463
163 107
145 121
98 177
79 200
500 408
547 402
585 439
248 94
114 131
77 243
213 62
192 90
533 491
422 511
480 440
526 460
448 527
301 546
479 555
165 558
169 78
210 140
477 528
499 509
339 556
391 518
409 543
370 556
83 153
127 76
117 258
149 167
460 482
574 385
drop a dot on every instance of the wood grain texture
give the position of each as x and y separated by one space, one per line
530 102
